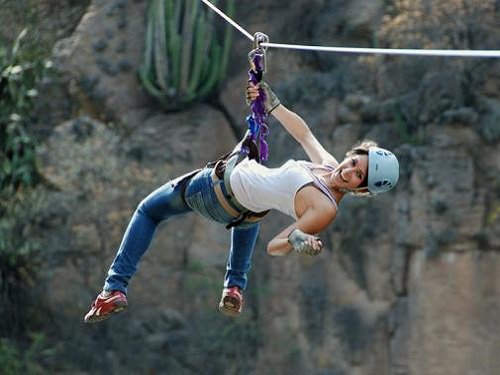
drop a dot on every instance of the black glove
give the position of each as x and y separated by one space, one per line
271 102
304 243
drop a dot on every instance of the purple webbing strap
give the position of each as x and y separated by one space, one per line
258 108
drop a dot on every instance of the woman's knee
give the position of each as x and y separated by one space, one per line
162 204
147 209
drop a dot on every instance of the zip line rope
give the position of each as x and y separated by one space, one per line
223 15
391 51
383 51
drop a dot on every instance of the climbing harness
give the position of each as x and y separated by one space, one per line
253 145
382 51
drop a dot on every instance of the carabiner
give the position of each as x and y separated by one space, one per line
259 38
257 56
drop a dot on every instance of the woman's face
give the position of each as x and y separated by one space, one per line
351 172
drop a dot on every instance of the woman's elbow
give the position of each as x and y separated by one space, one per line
270 250
275 251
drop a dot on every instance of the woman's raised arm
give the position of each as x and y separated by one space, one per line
293 124
298 129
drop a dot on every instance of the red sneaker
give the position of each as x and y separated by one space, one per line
106 305
231 302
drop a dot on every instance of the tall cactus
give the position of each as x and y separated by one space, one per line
185 58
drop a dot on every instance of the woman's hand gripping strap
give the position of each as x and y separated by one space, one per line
304 243
271 100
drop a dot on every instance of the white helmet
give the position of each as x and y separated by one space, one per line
383 170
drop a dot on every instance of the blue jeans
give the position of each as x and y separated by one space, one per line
166 202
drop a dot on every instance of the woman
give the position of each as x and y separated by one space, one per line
240 192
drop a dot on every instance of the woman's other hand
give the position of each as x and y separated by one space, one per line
304 243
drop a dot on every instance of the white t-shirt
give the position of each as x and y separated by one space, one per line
259 188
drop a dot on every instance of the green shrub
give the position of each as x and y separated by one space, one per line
20 200
18 81
15 360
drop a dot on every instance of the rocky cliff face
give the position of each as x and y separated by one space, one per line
408 282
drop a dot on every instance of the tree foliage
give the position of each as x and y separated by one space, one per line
19 78
21 201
